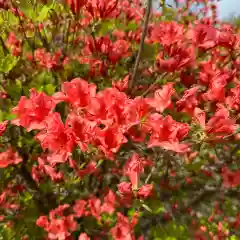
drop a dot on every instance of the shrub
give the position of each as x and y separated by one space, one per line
118 122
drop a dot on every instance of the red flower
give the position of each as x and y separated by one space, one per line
136 112
189 101
109 140
83 236
43 222
126 193
108 107
204 36
133 168
58 225
3 95
230 178
118 50
175 58
45 169
167 133
122 85
216 90
125 188
90 168
233 100
82 129
78 92
3 127
9 157
200 117
79 208
76 5
102 8
167 33
56 137
145 191
162 98
32 112
221 124
94 205
226 38
109 203
123 229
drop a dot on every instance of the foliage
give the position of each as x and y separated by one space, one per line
117 122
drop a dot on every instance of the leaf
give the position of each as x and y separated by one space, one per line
10 18
149 52
43 15
9 116
7 63
49 89
15 90
132 26
105 27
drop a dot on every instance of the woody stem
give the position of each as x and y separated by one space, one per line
141 48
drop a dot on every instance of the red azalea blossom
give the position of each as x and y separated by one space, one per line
221 124
83 236
56 137
145 191
109 203
162 98
77 92
96 158
79 208
122 85
102 8
123 229
109 140
133 168
94 205
167 33
230 178
76 5
82 129
175 58
189 101
32 112
9 157
3 127
118 50
167 134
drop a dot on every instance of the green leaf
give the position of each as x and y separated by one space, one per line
149 52
132 26
7 63
49 89
105 27
15 90
43 14
9 116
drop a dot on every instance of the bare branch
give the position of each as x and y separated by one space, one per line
141 48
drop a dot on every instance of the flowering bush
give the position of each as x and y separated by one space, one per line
118 122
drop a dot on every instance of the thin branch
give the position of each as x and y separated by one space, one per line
141 48
151 87
5 49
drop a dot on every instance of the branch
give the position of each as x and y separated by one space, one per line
5 49
141 48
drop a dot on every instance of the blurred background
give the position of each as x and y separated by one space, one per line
227 9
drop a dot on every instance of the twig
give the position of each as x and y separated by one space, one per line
153 85
5 49
141 48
